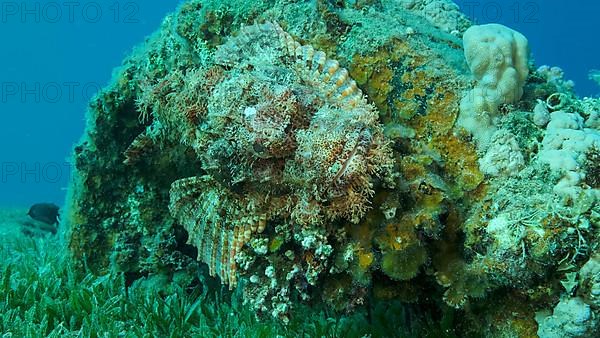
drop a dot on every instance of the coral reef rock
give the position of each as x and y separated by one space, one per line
326 153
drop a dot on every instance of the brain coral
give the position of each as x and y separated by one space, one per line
287 135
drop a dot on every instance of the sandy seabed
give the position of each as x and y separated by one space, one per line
11 220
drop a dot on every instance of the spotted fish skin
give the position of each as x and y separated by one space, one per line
287 135
314 66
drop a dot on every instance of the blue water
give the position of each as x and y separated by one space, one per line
55 55
560 33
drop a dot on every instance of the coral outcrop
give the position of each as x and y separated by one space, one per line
304 153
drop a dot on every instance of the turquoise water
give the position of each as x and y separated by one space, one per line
55 56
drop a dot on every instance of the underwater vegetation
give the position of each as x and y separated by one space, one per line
301 155
43 295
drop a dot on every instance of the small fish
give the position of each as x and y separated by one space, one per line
44 212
